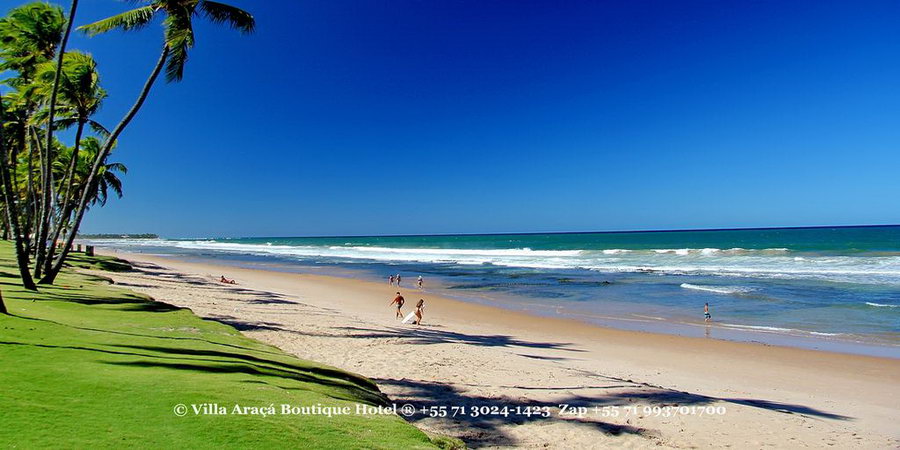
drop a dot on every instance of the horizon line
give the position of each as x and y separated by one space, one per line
532 233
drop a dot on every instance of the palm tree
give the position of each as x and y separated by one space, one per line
28 36
11 199
107 180
105 183
81 96
44 223
178 39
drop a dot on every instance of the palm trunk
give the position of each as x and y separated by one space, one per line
37 196
5 222
27 211
61 226
31 211
66 209
12 213
46 212
51 274
30 193
12 175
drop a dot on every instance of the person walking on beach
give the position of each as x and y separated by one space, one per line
399 301
420 282
391 279
706 316
420 305
398 280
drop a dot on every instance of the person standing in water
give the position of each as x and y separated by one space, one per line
706 316
391 279
399 301
398 280
420 306
420 282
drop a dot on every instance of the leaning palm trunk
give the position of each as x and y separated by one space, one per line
4 221
12 161
47 207
50 275
67 206
24 138
30 200
12 212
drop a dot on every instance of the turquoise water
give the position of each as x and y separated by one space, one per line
815 283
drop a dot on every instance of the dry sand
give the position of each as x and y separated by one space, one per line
468 355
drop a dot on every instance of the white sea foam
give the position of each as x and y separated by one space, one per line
774 263
761 328
678 251
880 305
718 289
766 329
465 252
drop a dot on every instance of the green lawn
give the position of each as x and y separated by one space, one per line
86 364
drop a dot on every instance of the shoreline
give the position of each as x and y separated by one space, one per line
846 343
540 361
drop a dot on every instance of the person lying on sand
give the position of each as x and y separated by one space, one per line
420 305
226 280
399 301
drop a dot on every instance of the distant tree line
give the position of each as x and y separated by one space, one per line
118 236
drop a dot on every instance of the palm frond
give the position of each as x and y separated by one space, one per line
118 167
64 123
111 180
126 21
180 38
98 128
221 13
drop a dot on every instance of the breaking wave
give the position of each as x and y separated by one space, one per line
733 262
718 289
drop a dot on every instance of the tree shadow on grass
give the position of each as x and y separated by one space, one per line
319 370
128 301
149 336
344 390
349 386
105 263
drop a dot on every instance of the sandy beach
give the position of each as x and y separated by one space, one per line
637 389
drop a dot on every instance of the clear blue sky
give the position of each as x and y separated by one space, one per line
393 117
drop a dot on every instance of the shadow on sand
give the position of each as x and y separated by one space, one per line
487 429
426 336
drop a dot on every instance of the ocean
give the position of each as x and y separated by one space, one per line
831 288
